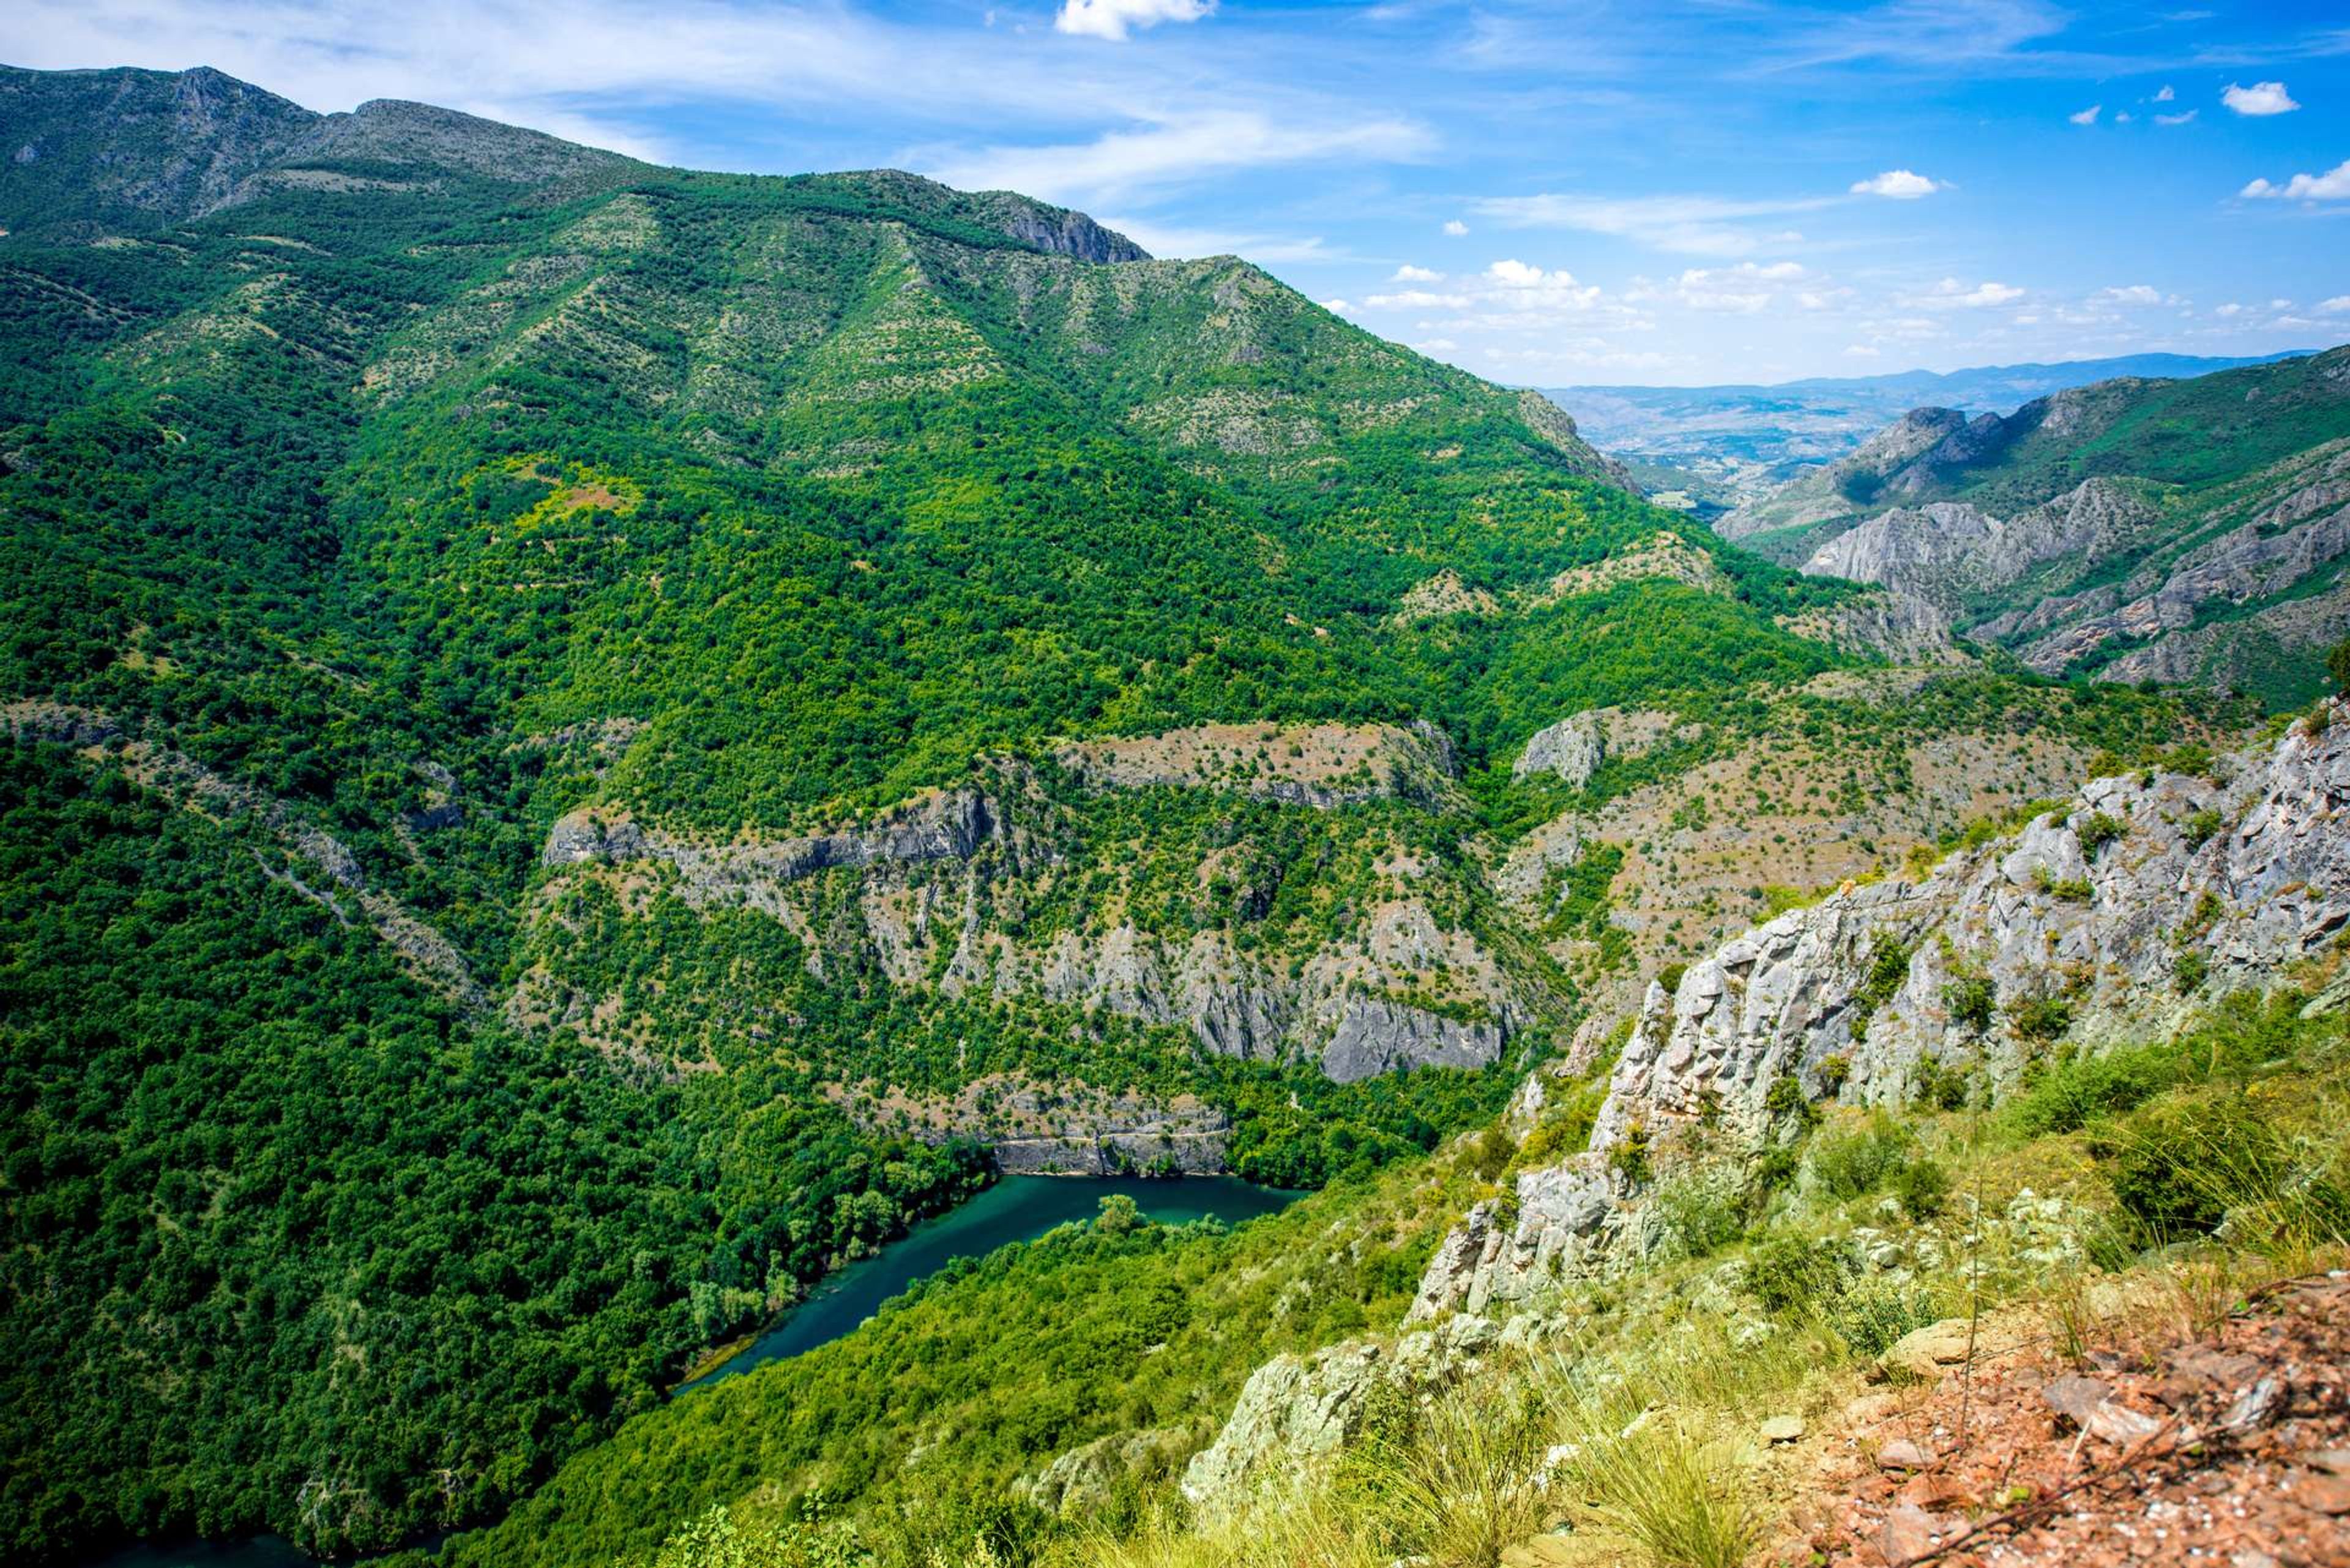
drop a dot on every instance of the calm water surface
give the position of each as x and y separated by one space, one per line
1016 1209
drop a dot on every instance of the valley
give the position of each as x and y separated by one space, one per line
710 870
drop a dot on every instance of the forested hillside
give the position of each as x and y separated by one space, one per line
2165 530
575 727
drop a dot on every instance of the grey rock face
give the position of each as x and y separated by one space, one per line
1376 1035
1573 748
1296 1412
2250 876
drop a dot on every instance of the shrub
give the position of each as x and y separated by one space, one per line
1921 1184
1848 1163
2177 1169
2199 826
1700 1214
2079 1090
2040 1018
2188 970
1970 999
2098 831
1939 1085
2338 665
1790 1274
1869 1313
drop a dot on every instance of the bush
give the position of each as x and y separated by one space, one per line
2184 1168
2079 1090
2199 826
1970 999
1921 1184
1848 1163
1789 1275
2338 665
2042 1018
1868 1315
1700 1214
2098 831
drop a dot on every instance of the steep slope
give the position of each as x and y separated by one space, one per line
2134 529
632 694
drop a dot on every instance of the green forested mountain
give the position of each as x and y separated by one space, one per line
586 740
2168 530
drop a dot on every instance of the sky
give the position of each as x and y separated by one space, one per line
1676 191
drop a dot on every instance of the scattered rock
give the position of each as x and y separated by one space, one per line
1910 1533
1923 1353
2326 1494
1901 1454
1783 1428
2255 1406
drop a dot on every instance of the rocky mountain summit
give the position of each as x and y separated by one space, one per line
2134 529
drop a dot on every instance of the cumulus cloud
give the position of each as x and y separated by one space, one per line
1338 306
2088 116
2136 294
2230 311
2260 98
1898 183
1113 19
2333 186
1416 299
2165 95
1952 294
2337 306
1410 273
1455 227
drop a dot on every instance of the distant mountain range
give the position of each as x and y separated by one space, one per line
1719 446
2139 529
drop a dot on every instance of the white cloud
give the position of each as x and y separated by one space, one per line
1455 227
1410 273
1112 18
1416 299
2333 186
1170 150
1898 183
2135 294
2088 116
1745 289
2186 119
2124 117
1863 352
2337 306
1694 225
2165 95
1952 294
2260 98
2229 311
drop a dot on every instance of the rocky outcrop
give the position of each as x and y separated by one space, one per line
1891 625
940 825
1661 557
2100 922
1320 765
935 894
1296 1411
1575 746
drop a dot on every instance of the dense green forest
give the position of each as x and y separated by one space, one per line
368 516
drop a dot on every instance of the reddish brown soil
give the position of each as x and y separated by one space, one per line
2225 1449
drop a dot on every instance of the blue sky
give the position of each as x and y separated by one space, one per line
1683 190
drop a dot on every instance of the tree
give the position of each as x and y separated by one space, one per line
2337 664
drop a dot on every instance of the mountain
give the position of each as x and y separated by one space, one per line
587 742
1717 447
2136 530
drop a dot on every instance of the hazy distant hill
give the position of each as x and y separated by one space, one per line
1724 445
